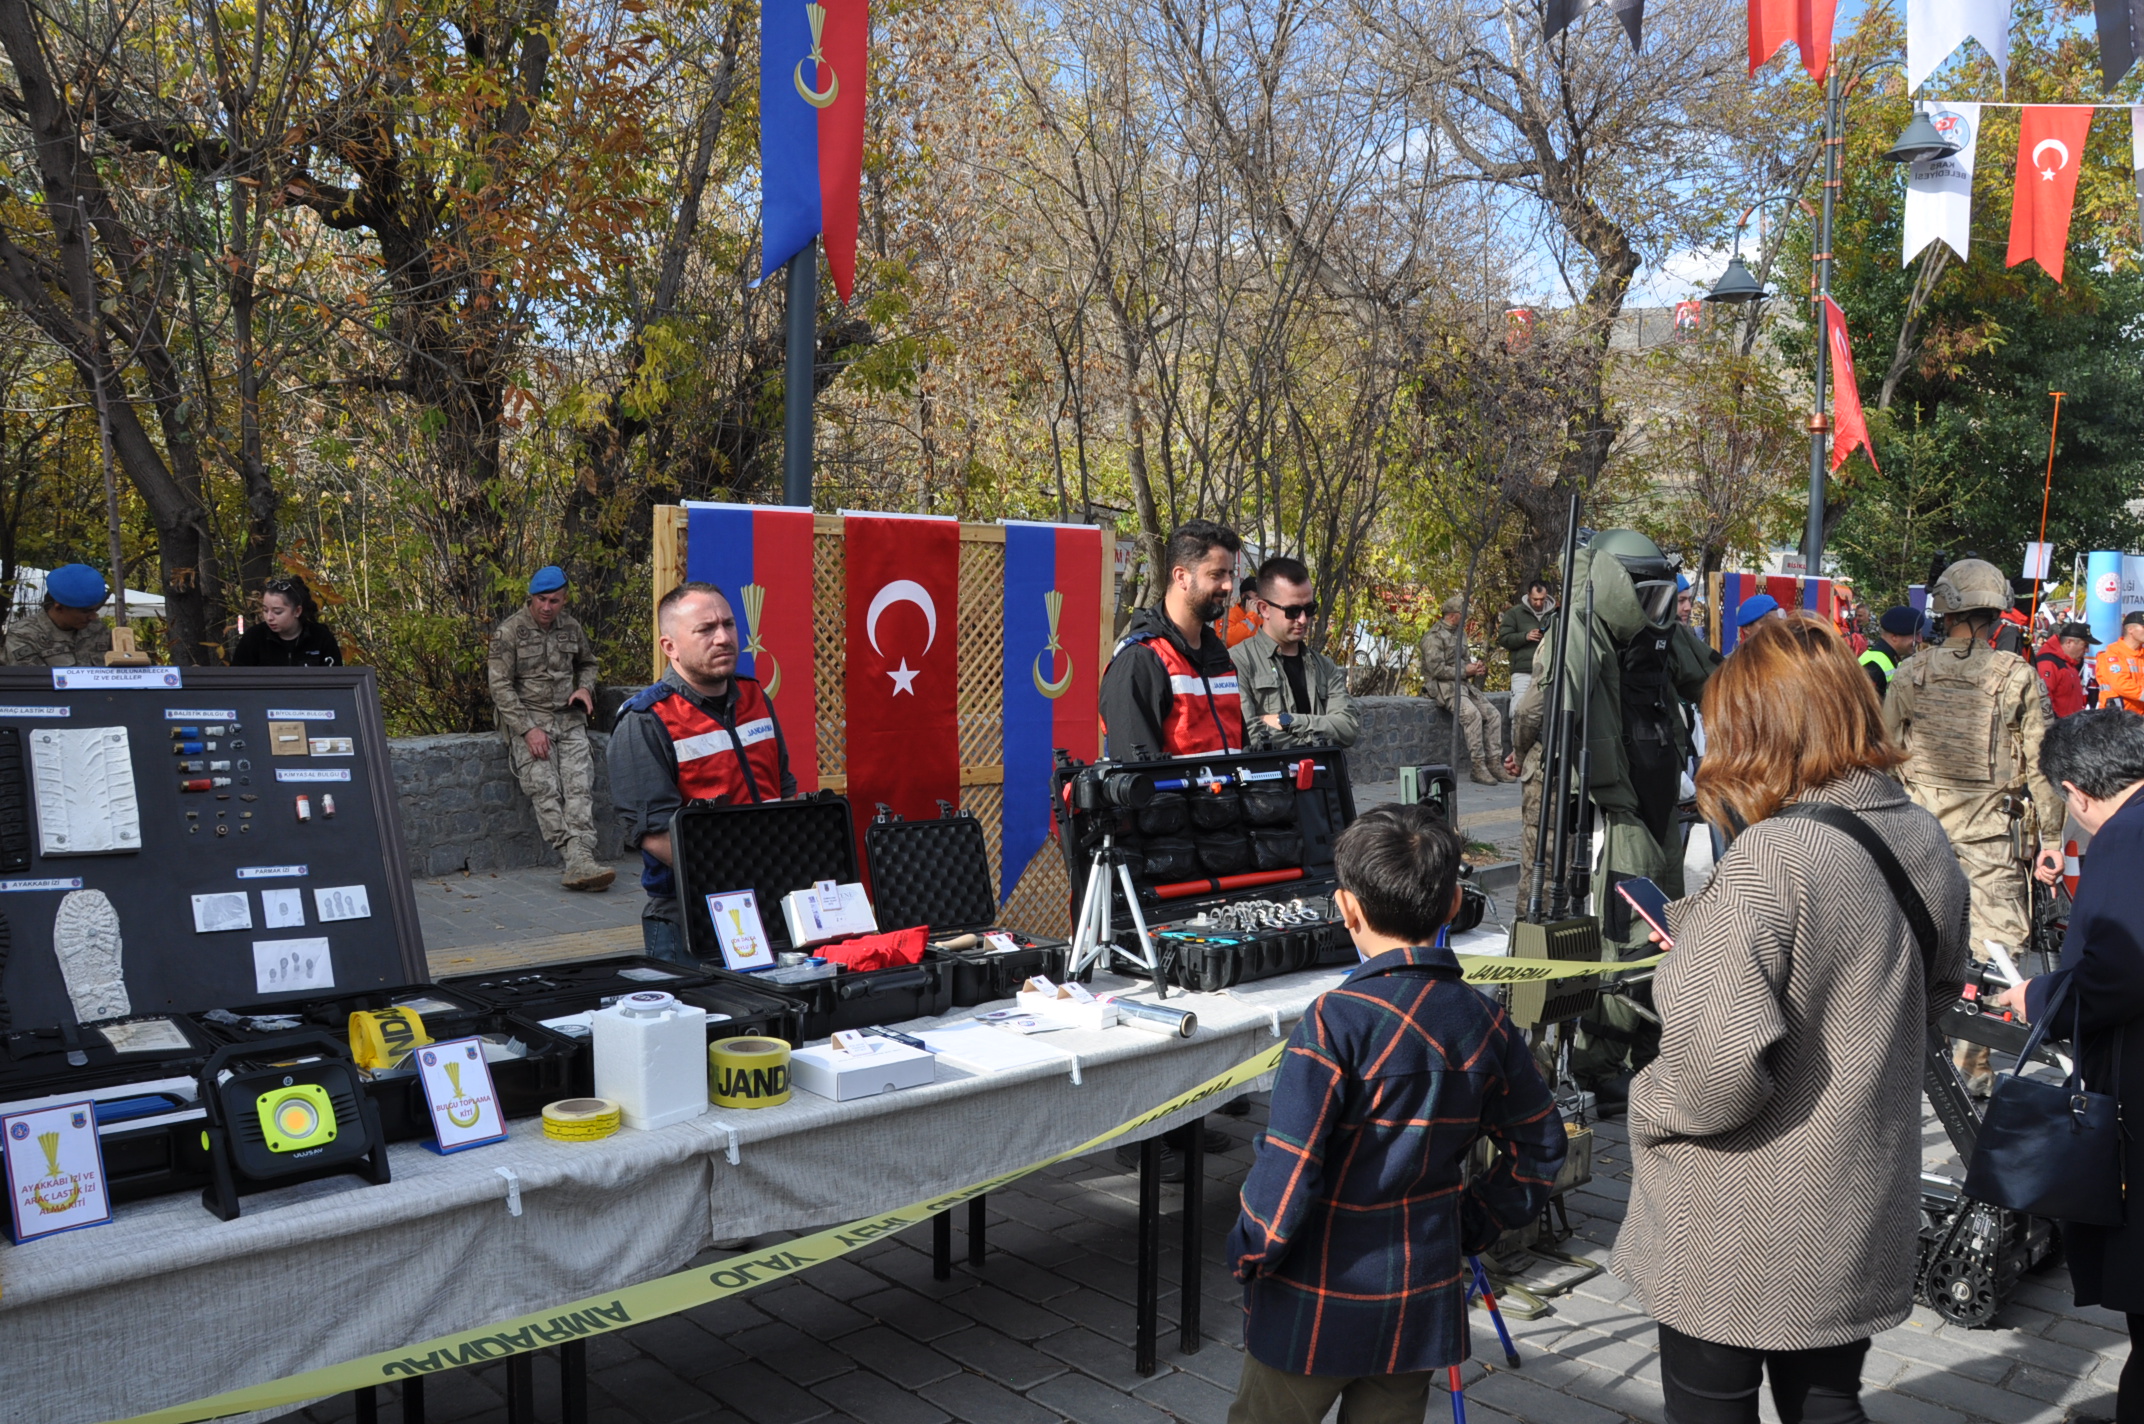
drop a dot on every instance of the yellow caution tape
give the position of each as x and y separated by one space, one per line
381 1038
581 1119
665 1295
748 1073
1500 969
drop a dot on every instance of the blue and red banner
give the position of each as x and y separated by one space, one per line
760 557
811 130
1053 674
1787 590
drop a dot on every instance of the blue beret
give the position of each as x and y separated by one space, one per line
1754 608
1900 622
1682 584
77 586
547 578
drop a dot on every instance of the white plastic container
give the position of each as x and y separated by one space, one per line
651 1058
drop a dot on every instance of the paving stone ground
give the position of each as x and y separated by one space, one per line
1042 1332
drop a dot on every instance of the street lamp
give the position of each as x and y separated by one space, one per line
1920 142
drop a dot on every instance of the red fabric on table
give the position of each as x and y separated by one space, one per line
879 951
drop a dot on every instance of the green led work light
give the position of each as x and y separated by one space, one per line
296 1118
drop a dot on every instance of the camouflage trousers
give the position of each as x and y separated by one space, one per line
2001 907
562 789
1481 725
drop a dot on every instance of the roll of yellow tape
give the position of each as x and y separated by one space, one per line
381 1038
580 1119
748 1072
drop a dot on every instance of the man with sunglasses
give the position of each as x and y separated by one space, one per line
1293 695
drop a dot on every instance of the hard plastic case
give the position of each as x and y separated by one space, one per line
776 847
937 874
1265 826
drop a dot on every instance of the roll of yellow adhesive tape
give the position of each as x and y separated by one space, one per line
748 1072
580 1119
381 1038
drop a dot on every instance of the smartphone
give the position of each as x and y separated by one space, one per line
1651 904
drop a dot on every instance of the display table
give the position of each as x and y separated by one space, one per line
168 1304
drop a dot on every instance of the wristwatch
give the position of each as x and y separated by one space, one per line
1287 720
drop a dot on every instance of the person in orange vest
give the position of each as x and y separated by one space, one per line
700 734
1170 689
1243 622
2119 668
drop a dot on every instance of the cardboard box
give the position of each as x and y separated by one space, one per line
831 1073
1062 1009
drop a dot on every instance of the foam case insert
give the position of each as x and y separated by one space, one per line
937 874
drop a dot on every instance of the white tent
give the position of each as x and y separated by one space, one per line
30 596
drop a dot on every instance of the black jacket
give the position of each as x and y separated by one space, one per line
1135 687
315 646
2103 960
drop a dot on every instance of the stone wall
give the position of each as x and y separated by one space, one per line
1405 731
463 810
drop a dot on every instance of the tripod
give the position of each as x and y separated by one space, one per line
1094 938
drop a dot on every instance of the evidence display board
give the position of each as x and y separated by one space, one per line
180 839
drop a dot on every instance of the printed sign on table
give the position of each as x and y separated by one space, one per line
457 1088
55 1170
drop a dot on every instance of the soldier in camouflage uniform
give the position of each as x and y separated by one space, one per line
1443 646
66 632
543 683
1970 720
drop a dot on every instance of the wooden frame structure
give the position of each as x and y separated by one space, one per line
1040 898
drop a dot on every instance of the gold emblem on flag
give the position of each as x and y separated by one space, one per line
1053 603
817 99
755 599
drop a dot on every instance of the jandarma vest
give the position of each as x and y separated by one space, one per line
1205 714
738 762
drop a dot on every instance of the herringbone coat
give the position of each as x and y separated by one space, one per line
1777 1138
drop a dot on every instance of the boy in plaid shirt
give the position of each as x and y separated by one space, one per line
1357 1217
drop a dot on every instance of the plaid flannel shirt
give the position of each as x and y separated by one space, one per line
1357 1215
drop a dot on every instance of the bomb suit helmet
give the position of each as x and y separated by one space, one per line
1652 573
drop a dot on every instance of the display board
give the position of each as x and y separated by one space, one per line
204 838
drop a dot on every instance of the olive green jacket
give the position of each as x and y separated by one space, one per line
1330 719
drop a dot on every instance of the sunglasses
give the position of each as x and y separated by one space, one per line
1295 610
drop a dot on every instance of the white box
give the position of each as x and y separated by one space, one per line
826 912
1065 1011
830 1073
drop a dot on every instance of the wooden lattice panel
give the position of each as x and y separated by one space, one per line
830 646
982 651
1041 903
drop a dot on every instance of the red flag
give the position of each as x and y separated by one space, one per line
1848 427
2050 146
1806 22
903 676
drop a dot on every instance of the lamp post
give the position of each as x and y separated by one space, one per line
1918 143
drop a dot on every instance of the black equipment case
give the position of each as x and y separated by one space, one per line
937 874
148 1110
543 1074
774 848
553 991
1202 833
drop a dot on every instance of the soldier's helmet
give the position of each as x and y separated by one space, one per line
1651 572
1967 585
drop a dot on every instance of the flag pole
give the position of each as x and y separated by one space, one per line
1820 280
2047 489
798 376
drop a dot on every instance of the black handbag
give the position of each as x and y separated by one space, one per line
2050 1149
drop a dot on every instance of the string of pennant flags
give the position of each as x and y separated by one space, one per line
1939 190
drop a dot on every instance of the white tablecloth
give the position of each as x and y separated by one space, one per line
168 1304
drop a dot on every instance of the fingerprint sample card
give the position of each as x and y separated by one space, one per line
286 966
223 910
282 909
342 902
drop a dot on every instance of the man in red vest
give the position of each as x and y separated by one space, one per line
700 734
1170 689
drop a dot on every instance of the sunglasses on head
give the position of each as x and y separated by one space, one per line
1296 610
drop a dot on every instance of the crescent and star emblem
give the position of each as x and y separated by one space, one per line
1053 604
2048 174
816 14
902 591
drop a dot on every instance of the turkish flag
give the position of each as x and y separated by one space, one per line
2050 146
903 674
1806 22
1849 426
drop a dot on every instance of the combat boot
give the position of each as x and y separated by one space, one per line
583 873
1483 776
